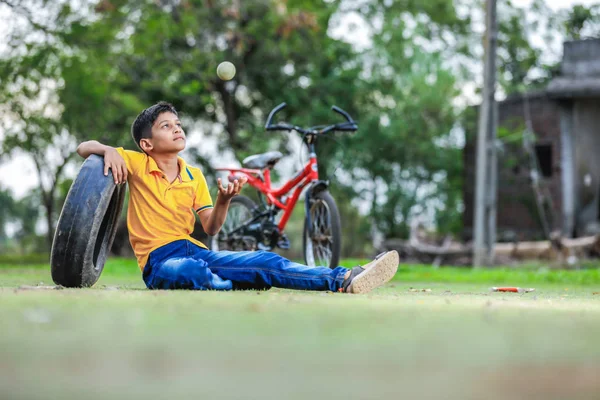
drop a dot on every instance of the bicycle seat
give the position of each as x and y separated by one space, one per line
260 161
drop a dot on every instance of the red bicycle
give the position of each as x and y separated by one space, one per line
250 226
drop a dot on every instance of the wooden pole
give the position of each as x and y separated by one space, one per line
486 172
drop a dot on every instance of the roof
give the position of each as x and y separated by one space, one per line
571 87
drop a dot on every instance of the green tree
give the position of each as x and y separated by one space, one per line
517 57
30 74
100 63
404 159
27 214
7 214
521 64
581 21
23 214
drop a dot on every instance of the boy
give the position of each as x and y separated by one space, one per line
164 192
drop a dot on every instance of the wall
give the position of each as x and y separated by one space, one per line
586 135
517 214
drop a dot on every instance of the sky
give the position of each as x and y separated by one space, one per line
556 4
19 175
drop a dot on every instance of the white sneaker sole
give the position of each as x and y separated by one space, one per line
371 263
380 271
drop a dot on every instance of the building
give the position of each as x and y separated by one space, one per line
566 121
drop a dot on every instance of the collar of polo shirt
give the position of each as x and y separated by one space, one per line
185 177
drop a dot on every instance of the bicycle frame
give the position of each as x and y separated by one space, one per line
261 180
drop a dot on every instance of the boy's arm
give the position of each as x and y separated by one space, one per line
112 158
212 219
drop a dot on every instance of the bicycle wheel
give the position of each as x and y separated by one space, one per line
240 211
322 243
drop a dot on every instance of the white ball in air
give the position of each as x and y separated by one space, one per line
226 70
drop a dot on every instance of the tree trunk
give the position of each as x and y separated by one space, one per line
230 114
49 205
48 196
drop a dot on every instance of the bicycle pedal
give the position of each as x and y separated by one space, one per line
283 242
263 247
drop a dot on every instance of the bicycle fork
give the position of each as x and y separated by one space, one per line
316 185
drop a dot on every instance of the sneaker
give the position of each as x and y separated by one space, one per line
374 274
371 263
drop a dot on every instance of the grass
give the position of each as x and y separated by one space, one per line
124 272
459 341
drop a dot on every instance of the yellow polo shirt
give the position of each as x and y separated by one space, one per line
161 212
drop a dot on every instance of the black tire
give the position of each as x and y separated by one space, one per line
326 232
87 226
241 209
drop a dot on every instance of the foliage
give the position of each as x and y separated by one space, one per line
582 22
516 55
406 116
23 215
521 63
40 117
7 212
121 56
83 70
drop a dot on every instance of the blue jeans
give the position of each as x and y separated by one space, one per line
184 265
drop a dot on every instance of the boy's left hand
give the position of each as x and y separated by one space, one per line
226 193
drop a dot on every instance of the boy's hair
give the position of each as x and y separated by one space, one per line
142 126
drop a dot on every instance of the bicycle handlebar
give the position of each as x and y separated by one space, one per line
349 126
279 127
342 113
274 111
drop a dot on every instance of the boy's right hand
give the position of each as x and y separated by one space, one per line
114 161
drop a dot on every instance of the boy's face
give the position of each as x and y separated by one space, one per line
167 135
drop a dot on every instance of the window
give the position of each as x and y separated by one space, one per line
543 153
